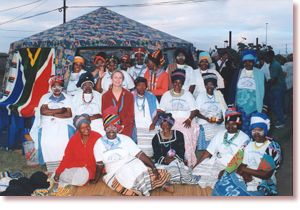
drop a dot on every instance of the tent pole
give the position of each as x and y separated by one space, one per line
64 11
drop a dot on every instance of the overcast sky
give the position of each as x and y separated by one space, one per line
204 23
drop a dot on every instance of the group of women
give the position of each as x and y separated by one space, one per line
139 128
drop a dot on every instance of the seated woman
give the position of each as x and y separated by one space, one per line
128 170
211 107
255 174
221 149
53 118
168 147
181 104
78 165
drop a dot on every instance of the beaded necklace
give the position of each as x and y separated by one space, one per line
110 144
260 146
142 106
87 102
228 142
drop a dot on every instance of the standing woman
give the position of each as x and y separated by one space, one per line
99 72
121 98
182 105
155 74
247 90
181 62
204 64
105 84
74 77
211 108
88 101
54 120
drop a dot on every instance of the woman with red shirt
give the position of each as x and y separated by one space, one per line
78 165
121 98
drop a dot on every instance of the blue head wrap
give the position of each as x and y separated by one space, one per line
260 120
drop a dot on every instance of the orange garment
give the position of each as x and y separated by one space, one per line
158 83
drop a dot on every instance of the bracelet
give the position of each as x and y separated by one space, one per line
190 119
100 164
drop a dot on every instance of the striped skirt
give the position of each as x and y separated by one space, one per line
143 184
144 140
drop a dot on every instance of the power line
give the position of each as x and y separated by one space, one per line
2 29
32 16
110 6
15 18
16 7
145 4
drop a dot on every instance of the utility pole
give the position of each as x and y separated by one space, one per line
64 11
230 41
286 52
266 34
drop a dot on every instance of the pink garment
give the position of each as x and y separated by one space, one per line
190 139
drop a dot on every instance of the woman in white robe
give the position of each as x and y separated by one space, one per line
54 123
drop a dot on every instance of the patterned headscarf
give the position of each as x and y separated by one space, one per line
178 74
139 50
111 117
232 114
166 117
157 57
80 119
56 79
260 120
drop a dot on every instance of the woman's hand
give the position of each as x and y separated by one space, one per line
219 121
241 168
101 73
187 123
56 177
156 174
221 174
171 67
168 160
247 177
152 127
